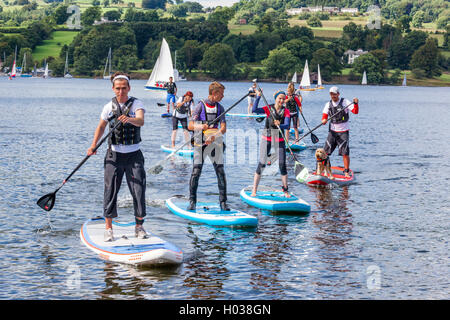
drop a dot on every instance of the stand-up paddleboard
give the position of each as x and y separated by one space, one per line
299 146
126 248
246 115
321 181
182 152
292 131
271 199
166 115
211 214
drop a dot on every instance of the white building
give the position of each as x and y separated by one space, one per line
349 10
295 11
352 55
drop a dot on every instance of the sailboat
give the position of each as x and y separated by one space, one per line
294 78
404 81
176 74
24 65
13 70
108 63
162 70
305 83
364 78
45 71
66 67
319 79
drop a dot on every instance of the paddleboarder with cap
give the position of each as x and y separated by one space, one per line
124 155
338 135
209 143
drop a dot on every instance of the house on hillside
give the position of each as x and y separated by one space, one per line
352 55
331 10
352 11
295 11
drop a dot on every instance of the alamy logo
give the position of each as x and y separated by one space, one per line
374 19
74 20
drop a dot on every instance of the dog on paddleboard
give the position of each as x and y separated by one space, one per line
323 166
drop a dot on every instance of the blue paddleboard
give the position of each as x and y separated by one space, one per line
291 131
210 213
166 115
182 152
270 199
299 146
126 248
245 115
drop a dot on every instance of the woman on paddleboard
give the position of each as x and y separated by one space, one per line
209 143
123 155
338 134
181 113
294 104
277 116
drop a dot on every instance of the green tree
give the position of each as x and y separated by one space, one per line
90 15
112 15
427 58
191 54
222 14
418 19
178 11
369 63
61 14
154 4
280 63
328 62
314 21
404 23
219 60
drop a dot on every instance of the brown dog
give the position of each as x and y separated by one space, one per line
323 163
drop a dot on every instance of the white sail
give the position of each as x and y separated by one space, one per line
294 77
46 71
162 70
13 71
319 77
404 80
107 76
305 82
66 67
364 78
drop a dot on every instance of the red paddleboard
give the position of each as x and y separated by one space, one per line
316 180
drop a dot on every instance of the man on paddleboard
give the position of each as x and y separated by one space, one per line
124 155
171 93
209 143
338 135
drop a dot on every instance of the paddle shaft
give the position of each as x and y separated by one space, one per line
273 117
321 124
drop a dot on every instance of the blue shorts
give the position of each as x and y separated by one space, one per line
170 97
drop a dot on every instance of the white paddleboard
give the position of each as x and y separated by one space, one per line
126 248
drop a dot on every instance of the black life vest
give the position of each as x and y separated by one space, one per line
127 133
337 113
292 105
270 125
185 108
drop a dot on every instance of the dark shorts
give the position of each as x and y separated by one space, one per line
294 119
116 166
183 122
340 140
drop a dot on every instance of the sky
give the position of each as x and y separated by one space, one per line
214 3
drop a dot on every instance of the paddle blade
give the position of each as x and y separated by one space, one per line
261 119
301 172
156 169
47 202
160 104
314 138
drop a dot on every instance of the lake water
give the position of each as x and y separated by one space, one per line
384 237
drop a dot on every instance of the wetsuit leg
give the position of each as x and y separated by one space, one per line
263 154
193 183
136 181
113 179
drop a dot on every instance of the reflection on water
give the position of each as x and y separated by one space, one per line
392 219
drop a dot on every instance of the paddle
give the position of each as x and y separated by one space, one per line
161 104
321 124
48 201
314 138
157 168
298 166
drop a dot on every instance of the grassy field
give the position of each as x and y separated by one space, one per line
52 47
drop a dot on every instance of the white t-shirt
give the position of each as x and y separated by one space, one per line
339 127
107 112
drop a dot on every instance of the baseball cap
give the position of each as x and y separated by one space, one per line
334 90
